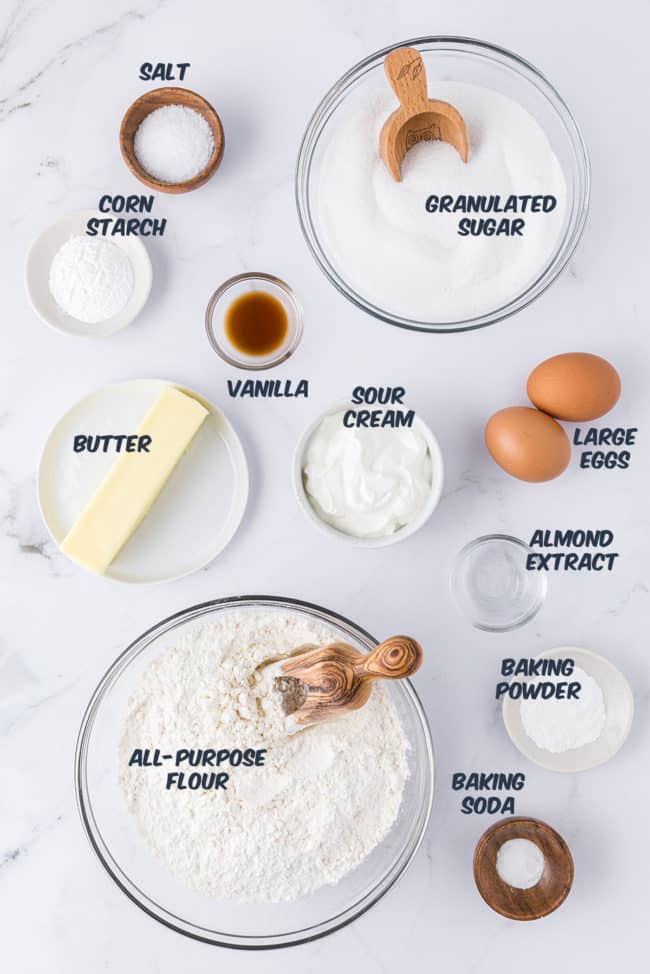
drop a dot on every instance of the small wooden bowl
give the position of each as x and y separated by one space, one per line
556 880
158 98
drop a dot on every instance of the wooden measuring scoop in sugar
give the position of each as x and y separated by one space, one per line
419 118
328 681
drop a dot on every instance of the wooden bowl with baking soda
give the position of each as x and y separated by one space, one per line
515 883
171 138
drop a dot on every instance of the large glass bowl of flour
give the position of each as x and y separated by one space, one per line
388 247
116 835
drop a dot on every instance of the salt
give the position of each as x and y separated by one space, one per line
520 863
174 143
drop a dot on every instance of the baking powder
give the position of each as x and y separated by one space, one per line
561 725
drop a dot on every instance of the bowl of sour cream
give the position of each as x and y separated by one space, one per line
368 477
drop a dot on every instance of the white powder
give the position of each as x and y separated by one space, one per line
520 863
174 143
91 279
561 725
324 799
411 262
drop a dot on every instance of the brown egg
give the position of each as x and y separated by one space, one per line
576 386
528 444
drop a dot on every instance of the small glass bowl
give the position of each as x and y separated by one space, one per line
492 586
222 299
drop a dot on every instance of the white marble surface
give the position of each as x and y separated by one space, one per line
68 69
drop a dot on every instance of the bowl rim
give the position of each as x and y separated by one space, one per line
220 293
566 247
93 835
434 498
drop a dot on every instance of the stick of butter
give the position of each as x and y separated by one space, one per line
133 483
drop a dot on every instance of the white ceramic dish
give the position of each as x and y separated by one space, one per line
199 509
437 480
619 709
37 272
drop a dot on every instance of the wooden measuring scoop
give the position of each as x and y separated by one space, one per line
419 118
326 682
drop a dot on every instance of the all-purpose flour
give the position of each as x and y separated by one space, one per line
414 263
324 799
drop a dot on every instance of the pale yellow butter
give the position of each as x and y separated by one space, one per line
133 483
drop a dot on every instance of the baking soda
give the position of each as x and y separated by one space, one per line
520 863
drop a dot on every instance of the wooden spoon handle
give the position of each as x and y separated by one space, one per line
394 659
405 71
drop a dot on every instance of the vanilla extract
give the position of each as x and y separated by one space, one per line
268 388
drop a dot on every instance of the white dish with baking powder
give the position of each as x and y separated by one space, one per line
456 59
37 272
619 711
199 508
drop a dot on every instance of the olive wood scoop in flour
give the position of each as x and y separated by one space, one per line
328 681
419 118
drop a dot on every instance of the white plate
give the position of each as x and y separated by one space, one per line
37 273
619 710
437 480
198 510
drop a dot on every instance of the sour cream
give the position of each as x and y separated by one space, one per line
368 483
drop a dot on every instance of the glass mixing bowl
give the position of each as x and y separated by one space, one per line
114 837
445 59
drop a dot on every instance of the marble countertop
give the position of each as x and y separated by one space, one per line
68 69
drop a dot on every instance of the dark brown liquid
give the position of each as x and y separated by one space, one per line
256 323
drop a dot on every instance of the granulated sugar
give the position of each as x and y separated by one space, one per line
411 262
324 799
174 143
